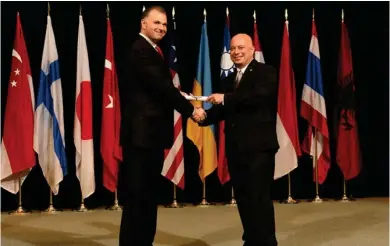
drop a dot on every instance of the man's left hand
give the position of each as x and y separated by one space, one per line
215 98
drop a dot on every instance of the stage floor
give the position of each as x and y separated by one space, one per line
364 222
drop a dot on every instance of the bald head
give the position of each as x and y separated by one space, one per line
241 50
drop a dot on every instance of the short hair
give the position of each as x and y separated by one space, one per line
148 9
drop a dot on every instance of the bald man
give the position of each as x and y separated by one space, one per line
148 101
248 104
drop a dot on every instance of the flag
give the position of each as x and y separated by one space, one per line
313 110
17 152
227 67
258 51
173 168
286 158
348 150
203 137
110 148
49 132
83 135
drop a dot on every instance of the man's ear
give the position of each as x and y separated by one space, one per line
143 22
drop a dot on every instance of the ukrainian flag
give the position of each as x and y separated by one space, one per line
203 137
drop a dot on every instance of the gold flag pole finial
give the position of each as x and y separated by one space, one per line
342 15
254 15
227 11
205 14
313 15
108 11
286 14
143 8
80 9
48 8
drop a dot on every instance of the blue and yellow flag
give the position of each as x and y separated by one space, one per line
203 137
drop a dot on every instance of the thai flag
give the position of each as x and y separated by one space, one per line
313 109
49 132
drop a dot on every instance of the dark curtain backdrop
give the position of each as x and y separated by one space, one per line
368 30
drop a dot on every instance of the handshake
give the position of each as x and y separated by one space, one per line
199 113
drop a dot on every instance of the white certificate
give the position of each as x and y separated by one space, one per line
195 98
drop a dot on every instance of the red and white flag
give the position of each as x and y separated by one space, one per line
83 134
173 168
258 51
17 153
286 159
110 148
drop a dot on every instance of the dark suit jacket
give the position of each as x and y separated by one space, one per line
148 99
249 110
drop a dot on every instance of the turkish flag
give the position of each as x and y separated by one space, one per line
110 148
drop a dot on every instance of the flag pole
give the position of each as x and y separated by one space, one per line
289 199
317 199
345 197
51 209
20 210
82 206
204 202
233 201
174 204
116 206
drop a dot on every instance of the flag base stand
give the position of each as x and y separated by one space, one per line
174 204
19 211
82 208
232 203
346 199
115 207
317 199
51 210
289 200
204 204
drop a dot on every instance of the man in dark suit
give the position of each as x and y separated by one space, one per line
249 108
148 98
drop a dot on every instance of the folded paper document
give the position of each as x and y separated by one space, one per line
195 98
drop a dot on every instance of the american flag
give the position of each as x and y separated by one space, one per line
173 168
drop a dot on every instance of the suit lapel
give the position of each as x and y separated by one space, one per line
151 49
